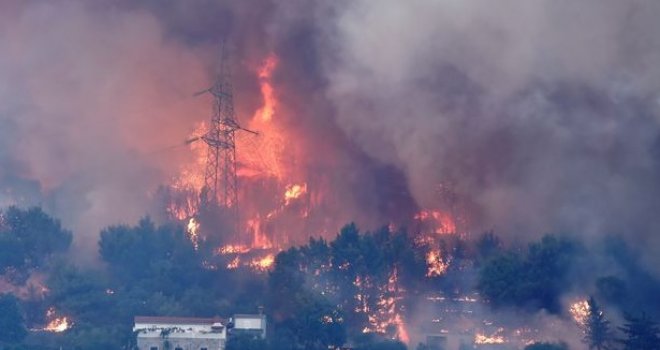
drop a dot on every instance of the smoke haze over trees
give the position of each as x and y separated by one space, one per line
537 123
321 294
519 108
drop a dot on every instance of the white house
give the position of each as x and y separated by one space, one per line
254 324
180 333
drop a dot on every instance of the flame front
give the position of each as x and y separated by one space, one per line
265 113
263 263
193 232
282 202
496 338
57 324
294 192
436 265
440 221
580 312
387 314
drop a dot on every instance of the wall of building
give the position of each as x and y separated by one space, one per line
183 343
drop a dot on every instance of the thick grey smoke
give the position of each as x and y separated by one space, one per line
542 116
86 96
535 116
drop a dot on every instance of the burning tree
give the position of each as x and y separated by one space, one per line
365 276
597 334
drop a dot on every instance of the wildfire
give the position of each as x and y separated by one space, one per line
436 265
442 222
580 312
259 264
234 264
263 263
481 338
271 191
293 192
57 324
233 249
193 232
387 314
264 156
265 113
259 238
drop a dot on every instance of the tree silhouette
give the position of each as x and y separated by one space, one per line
597 334
12 327
642 333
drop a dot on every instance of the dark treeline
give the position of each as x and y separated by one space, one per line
316 296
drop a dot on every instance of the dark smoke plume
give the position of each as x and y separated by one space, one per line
537 116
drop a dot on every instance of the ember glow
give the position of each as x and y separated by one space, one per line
56 324
387 314
294 192
263 263
440 222
265 113
481 338
437 266
233 249
193 232
580 312
234 263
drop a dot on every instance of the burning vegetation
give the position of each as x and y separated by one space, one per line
297 206
56 323
423 145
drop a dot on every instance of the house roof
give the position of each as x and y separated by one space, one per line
248 315
175 320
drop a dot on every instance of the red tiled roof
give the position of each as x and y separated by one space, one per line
175 320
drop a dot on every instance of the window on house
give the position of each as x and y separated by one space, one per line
153 348
178 348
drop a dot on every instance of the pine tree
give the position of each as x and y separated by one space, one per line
642 333
597 334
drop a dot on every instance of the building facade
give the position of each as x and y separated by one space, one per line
180 333
254 324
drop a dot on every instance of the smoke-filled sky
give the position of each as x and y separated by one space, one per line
539 116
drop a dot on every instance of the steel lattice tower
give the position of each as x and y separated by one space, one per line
220 180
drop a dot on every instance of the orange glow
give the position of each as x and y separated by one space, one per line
234 263
56 324
436 265
580 312
263 263
481 338
276 199
193 232
388 308
233 249
442 222
264 155
190 180
294 192
259 238
265 113
259 264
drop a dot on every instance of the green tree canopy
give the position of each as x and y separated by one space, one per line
28 237
12 323
534 279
